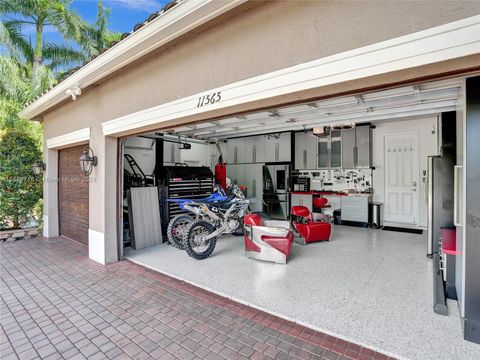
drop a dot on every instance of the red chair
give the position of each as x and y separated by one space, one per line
309 230
320 203
267 240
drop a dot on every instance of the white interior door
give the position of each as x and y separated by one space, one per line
401 178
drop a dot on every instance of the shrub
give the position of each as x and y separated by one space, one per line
20 189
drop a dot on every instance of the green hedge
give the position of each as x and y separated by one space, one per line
20 189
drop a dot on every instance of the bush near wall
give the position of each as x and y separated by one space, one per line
20 189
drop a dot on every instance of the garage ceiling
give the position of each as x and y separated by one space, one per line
417 100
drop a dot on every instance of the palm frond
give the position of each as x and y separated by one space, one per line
14 81
67 22
27 8
11 38
61 54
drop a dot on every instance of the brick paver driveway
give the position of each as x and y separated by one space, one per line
56 303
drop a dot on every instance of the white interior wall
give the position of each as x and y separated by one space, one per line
198 155
143 153
427 146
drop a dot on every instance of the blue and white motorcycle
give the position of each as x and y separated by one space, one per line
178 224
212 220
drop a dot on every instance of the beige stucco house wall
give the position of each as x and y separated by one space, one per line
254 39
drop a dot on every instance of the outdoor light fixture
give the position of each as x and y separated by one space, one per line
88 160
38 167
73 92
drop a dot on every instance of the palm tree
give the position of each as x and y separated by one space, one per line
98 37
40 14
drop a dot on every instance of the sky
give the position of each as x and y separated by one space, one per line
123 16
124 13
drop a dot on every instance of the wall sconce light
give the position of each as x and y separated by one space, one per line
38 167
88 160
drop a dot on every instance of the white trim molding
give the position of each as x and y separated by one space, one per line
74 138
445 42
186 16
96 246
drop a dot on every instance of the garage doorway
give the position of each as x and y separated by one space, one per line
72 195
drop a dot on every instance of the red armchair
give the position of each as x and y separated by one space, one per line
267 240
307 229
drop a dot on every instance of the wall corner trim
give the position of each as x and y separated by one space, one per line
96 246
69 139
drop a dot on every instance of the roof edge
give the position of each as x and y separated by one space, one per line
185 16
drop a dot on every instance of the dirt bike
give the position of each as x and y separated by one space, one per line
177 225
200 236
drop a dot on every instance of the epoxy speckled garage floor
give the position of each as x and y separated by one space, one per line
371 287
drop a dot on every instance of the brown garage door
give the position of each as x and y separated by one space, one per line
72 195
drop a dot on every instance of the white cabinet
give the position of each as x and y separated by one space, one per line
301 200
356 147
236 151
246 150
231 151
271 148
240 174
355 208
348 148
254 149
363 143
335 203
258 145
285 147
306 147
253 182
278 147
336 149
236 173
232 172
171 153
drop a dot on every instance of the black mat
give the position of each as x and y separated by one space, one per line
404 230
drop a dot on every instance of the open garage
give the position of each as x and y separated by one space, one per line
342 136
373 275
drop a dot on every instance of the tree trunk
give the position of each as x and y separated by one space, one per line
38 51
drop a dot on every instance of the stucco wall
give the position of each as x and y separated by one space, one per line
267 37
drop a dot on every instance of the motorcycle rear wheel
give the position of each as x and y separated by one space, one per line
193 243
177 228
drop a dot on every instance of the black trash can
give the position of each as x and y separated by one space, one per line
337 217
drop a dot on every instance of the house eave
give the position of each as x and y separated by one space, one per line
187 15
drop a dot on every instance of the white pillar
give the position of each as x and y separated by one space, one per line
50 194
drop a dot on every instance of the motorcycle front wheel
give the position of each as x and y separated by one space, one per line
177 228
194 241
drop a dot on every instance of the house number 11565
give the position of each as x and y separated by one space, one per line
209 99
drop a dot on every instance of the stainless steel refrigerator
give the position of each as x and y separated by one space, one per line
276 182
